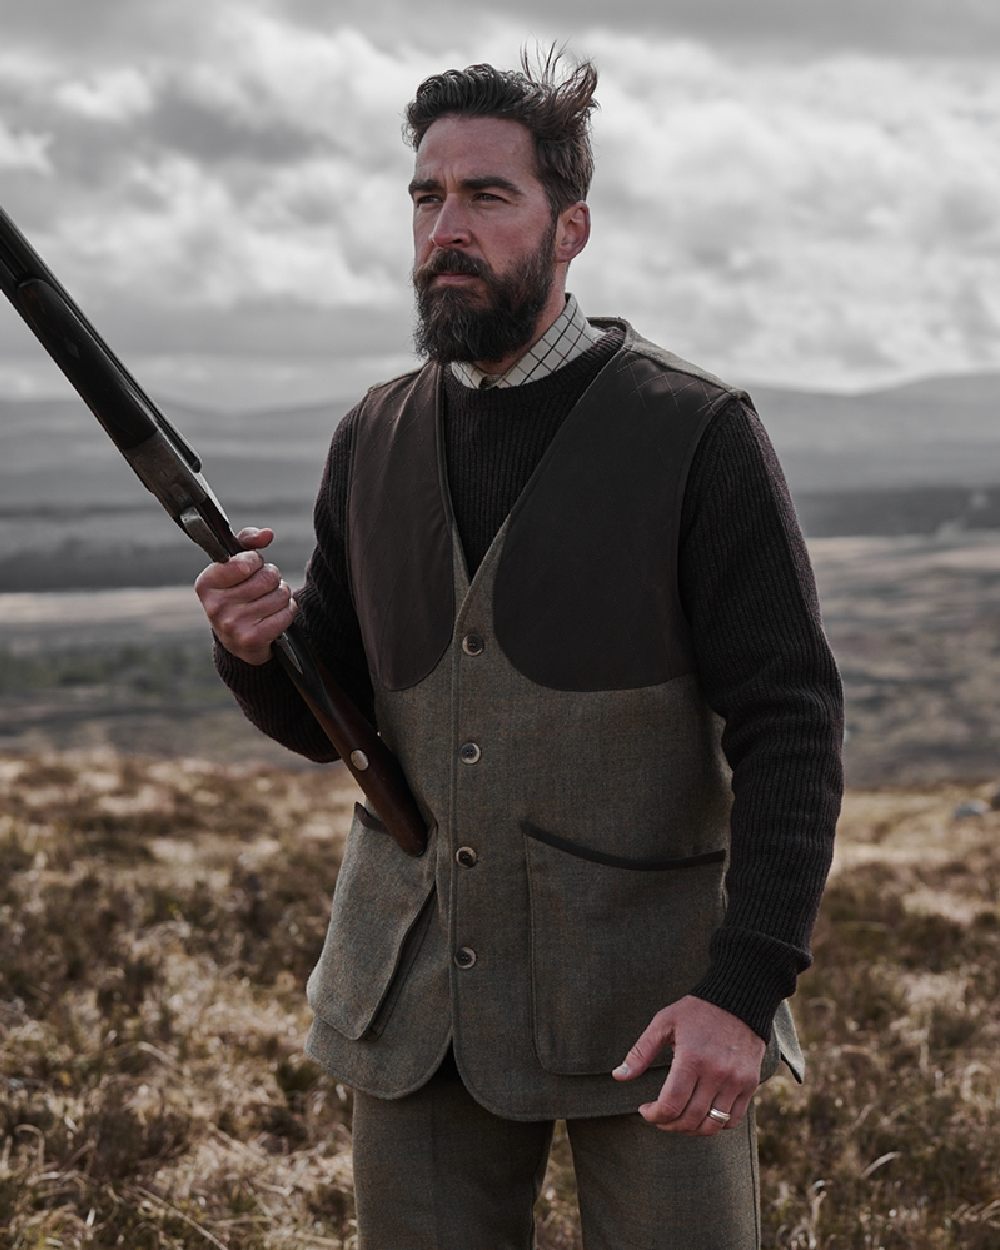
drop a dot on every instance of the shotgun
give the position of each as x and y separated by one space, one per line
170 469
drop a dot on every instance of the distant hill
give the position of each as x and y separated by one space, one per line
917 458
53 453
939 431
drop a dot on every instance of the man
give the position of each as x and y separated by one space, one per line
560 568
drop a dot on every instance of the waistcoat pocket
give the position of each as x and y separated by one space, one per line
613 940
378 918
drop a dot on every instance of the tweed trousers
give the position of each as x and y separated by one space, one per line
436 1171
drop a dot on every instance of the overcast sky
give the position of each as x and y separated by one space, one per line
786 190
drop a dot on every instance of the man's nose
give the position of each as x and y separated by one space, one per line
451 226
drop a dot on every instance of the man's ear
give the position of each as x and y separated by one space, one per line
572 231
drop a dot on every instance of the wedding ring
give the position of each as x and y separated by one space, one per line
722 1116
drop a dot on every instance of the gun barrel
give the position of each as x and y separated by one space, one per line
8 280
36 293
14 250
87 366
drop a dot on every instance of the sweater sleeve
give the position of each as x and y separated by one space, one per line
326 616
766 668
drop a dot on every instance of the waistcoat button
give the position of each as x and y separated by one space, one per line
466 856
465 957
469 753
472 644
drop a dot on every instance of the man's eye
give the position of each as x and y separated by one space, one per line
421 200
487 195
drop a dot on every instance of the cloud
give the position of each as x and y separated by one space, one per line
24 150
786 214
911 27
210 129
98 33
110 28
183 231
231 178
115 95
24 71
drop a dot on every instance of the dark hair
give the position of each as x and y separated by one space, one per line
557 113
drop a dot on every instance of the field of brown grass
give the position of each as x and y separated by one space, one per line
159 921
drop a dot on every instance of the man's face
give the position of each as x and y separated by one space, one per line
483 240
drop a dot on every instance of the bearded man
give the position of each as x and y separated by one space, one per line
559 568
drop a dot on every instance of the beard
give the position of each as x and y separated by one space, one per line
455 323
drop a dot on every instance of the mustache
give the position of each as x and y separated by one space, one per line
449 260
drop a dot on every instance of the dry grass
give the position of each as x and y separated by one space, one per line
152 1007
159 922
893 1143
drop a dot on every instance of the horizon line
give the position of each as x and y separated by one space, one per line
900 381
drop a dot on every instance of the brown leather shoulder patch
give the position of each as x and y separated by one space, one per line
586 594
399 534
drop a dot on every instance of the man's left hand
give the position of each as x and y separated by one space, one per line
716 1064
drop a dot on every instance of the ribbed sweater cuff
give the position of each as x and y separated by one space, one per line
749 977
255 683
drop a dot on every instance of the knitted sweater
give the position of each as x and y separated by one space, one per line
762 658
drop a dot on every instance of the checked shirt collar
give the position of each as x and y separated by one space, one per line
566 338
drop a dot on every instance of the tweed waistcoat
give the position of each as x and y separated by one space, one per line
550 721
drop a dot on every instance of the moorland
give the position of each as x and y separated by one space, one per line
160 919
165 872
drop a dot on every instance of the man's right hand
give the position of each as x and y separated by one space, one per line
246 600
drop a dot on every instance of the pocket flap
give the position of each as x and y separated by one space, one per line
377 901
